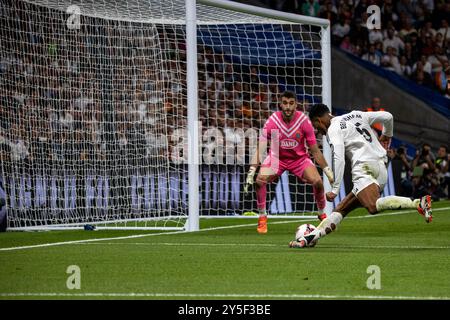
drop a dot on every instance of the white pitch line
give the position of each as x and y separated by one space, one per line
52 244
202 230
218 295
186 244
131 237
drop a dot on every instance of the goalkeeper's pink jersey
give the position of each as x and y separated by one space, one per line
291 136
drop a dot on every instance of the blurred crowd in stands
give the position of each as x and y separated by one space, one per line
426 173
107 92
103 96
413 40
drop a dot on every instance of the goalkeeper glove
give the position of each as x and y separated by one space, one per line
250 177
329 173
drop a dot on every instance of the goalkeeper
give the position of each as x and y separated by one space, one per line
351 136
286 131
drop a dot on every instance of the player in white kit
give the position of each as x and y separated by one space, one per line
351 136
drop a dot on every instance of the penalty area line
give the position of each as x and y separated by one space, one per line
217 295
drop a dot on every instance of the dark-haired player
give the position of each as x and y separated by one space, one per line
350 135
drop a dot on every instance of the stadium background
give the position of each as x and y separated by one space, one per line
56 155
227 258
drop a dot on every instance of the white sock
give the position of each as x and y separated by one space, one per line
330 223
394 202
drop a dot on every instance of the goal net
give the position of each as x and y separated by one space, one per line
93 109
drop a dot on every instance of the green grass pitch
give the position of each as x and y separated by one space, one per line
232 261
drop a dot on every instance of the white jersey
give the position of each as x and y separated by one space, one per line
351 136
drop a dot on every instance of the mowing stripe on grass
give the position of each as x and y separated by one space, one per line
202 230
51 244
185 244
173 244
216 295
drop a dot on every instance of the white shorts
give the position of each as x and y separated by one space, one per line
366 173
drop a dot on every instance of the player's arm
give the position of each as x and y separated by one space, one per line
260 148
256 160
320 159
310 137
387 120
337 146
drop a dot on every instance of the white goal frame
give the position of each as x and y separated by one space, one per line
191 53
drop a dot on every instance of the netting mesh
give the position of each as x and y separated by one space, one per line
93 108
152 11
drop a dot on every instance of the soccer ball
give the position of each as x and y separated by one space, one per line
303 230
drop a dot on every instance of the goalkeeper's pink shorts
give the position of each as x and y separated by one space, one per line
295 166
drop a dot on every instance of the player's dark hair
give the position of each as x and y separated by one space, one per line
318 110
289 94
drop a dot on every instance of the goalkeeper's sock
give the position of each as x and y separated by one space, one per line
319 196
261 192
330 224
394 202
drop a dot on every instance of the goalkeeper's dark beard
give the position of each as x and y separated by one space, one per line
287 118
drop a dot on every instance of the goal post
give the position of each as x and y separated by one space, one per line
142 114
192 106
326 99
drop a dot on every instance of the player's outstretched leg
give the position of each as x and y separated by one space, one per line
423 205
327 226
424 208
330 224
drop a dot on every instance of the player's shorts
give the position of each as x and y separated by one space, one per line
296 167
366 173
